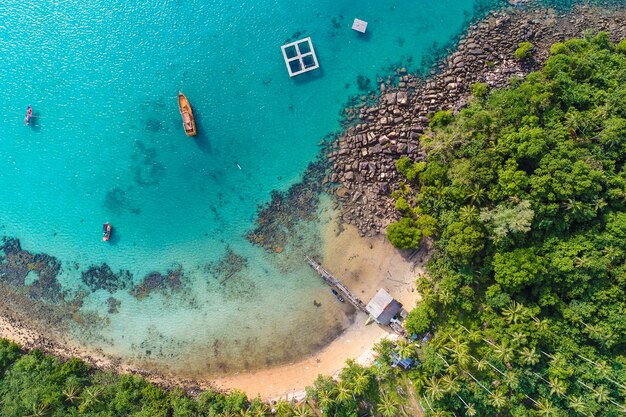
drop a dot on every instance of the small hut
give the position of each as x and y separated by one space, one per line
383 307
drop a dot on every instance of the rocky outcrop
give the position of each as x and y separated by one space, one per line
365 154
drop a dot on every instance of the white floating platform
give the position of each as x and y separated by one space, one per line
300 57
359 25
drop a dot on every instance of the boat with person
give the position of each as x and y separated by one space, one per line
186 113
106 232
29 115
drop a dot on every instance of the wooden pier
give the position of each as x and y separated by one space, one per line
334 282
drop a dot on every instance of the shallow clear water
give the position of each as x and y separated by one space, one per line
107 145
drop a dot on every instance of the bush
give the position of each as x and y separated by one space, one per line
407 233
403 206
480 90
523 50
9 353
420 318
441 118
409 169
404 234
559 48
621 47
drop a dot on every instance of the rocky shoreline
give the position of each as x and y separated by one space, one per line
363 159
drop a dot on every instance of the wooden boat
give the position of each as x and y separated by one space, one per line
185 111
336 294
106 231
29 115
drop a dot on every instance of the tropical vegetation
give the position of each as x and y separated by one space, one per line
526 286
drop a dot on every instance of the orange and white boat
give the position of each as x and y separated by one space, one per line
187 114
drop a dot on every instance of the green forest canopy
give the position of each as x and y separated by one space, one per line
526 292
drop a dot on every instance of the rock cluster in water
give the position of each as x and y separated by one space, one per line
98 277
16 264
276 221
171 281
363 162
228 266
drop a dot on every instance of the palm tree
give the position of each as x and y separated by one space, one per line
518 338
557 386
545 408
283 408
39 410
577 403
361 382
504 353
449 384
481 364
246 413
71 392
325 401
511 380
388 406
514 313
445 297
468 213
497 400
461 357
259 409
405 349
434 389
471 410
611 252
581 261
344 393
574 206
475 336
302 411
438 413
529 356
601 394
89 398
599 204
542 325
477 194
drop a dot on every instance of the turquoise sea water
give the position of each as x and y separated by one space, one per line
107 145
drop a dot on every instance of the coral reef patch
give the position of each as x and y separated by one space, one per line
172 281
16 264
101 277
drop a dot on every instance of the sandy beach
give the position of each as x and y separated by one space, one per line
364 265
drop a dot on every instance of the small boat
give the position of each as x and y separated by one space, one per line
106 231
185 112
29 115
336 294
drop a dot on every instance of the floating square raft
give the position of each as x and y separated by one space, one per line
359 25
300 57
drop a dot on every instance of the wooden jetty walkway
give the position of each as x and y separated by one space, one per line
334 282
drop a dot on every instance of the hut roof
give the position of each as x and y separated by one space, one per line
383 307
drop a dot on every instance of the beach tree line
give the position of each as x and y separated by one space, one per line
34 384
524 195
